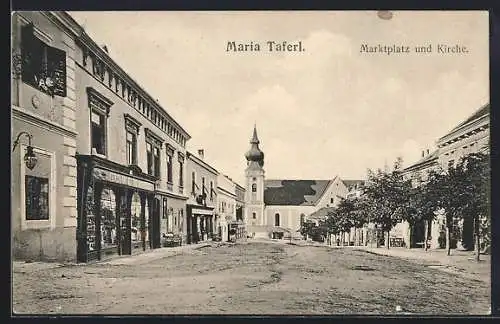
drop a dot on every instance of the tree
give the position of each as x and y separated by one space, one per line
422 203
475 191
332 223
360 213
345 214
385 192
307 228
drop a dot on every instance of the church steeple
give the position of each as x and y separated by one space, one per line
255 154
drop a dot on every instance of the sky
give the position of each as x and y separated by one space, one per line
329 110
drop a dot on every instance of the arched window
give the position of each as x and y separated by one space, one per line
302 219
254 215
277 219
254 187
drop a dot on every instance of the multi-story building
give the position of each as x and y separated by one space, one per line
226 205
130 156
110 174
43 166
470 136
201 212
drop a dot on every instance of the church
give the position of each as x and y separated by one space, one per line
276 208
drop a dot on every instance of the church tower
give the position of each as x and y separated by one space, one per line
254 194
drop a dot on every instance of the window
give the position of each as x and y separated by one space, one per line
169 169
181 173
203 185
156 162
99 112
132 127
131 148
193 182
254 187
98 135
302 219
331 200
149 151
153 149
451 163
277 219
43 66
37 198
254 215
211 191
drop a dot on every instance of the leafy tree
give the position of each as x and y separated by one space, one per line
475 192
331 223
385 192
345 216
360 213
307 228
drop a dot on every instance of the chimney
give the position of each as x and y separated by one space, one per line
427 151
201 153
423 153
105 48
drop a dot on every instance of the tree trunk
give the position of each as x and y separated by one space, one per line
448 240
426 232
388 239
376 239
349 238
355 243
478 238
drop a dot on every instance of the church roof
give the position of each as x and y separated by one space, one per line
294 192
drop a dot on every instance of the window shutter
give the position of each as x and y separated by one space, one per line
57 70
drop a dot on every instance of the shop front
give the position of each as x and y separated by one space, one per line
200 221
118 213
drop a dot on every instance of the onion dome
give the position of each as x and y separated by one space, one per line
255 154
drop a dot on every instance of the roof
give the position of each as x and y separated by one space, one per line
350 183
484 110
478 114
294 192
428 158
321 213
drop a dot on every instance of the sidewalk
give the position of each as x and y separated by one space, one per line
459 262
145 257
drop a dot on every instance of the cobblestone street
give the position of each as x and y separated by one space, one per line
250 278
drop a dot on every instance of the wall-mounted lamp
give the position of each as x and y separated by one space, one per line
30 158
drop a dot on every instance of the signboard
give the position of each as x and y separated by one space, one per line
201 211
106 175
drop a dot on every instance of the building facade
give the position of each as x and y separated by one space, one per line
131 160
201 204
226 205
111 161
43 105
470 136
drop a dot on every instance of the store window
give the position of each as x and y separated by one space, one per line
108 219
135 220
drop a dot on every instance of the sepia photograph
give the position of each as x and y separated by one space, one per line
250 163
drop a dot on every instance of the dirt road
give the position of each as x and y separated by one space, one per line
253 278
